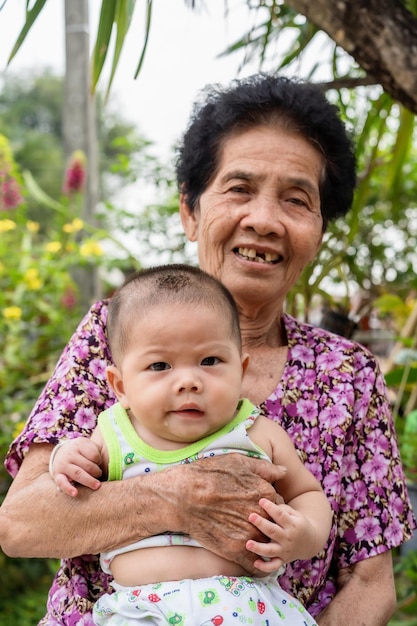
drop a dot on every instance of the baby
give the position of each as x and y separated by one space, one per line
178 368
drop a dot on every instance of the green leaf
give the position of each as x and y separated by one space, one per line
145 44
31 16
101 47
395 377
123 17
400 151
38 194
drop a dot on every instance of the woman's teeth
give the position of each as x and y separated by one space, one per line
252 255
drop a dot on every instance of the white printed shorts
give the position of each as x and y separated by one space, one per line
215 601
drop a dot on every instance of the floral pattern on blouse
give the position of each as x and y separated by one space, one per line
331 400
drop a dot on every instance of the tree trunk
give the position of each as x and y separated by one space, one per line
381 35
79 125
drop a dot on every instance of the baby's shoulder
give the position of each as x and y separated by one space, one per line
267 434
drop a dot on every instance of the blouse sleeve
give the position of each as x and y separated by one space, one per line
76 392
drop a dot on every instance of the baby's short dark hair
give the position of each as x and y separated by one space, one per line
166 284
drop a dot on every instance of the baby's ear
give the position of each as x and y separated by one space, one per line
115 380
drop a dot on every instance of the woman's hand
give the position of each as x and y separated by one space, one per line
217 496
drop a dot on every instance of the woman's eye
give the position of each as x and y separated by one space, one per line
210 360
160 366
238 189
297 201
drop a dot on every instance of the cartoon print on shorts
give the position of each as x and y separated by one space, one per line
217 620
235 586
258 606
175 618
208 596
134 595
279 612
153 597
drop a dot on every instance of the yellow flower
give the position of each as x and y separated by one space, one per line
53 246
33 227
77 224
12 313
18 429
91 248
32 279
74 227
6 225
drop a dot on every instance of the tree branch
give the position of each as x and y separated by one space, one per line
348 82
381 35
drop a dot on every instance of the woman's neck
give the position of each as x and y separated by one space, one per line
266 345
262 331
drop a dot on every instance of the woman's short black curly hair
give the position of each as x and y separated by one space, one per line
265 99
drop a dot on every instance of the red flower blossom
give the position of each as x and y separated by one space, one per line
69 298
75 174
10 196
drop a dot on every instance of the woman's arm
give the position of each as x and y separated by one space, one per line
201 499
366 593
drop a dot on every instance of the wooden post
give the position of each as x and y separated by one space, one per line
79 124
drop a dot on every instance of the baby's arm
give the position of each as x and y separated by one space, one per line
300 527
79 460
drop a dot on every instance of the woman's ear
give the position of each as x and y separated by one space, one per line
115 380
188 218
245 363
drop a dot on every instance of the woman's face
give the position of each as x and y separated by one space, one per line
258 223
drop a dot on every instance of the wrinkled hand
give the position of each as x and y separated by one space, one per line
215 498
77 461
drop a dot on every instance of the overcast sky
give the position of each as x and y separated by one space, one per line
181 57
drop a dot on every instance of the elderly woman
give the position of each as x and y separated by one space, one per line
263 166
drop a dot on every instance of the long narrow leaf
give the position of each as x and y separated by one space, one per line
101 47
123 18
401 151
38 194
145 44
30 19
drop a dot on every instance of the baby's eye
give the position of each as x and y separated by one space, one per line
210 360
160 366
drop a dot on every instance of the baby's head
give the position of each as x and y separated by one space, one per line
175 341
166 286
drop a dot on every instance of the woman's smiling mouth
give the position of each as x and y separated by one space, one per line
251 254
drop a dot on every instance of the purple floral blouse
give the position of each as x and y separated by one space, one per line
331 400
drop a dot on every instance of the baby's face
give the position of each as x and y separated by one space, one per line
181 374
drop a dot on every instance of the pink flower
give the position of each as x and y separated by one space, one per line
75 174
69 298
10 196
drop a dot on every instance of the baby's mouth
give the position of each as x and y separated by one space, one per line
259 257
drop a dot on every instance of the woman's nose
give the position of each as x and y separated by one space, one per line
265 216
